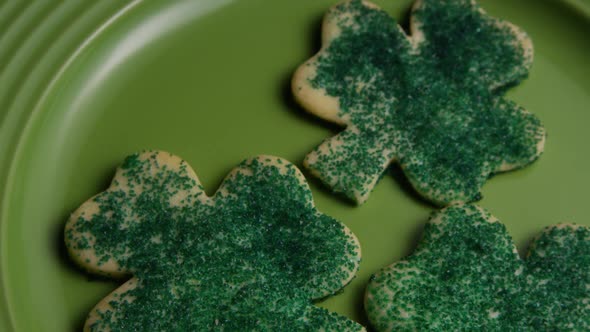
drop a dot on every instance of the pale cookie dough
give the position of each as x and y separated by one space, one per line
251 257
431 101
466 275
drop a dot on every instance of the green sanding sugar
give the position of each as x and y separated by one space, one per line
466 276
436 107
251 258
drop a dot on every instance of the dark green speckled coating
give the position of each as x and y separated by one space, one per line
252 257
466 275
432 102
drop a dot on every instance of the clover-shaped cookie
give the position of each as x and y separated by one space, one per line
431 101
251 257
466 275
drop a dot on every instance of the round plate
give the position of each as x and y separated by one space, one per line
83 84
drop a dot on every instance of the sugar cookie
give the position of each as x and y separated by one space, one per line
251 257
466 275
431 101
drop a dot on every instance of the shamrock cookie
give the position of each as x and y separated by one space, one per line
252 257
432 101
466 275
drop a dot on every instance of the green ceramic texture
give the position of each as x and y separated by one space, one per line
83 84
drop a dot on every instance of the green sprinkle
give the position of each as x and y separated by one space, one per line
251 259
436 107
466 276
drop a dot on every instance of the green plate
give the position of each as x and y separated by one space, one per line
84 83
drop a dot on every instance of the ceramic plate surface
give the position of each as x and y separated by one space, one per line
85 83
